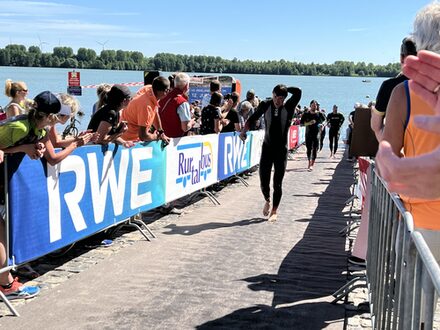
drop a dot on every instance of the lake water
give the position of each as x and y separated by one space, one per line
343 91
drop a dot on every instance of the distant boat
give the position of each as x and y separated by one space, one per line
366 80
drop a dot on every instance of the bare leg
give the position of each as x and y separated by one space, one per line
273 214
266 208
6 277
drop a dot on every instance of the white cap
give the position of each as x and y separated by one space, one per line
65 109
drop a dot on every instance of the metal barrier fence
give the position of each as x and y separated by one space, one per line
400 265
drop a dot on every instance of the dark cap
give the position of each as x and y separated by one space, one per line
47 102
280 90
117 94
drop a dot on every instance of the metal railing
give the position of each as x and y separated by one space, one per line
400 265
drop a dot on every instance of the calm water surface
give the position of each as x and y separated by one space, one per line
343 91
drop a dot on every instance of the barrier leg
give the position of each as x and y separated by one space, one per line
349 228
243 181
141 226
8 304
348 287
208 194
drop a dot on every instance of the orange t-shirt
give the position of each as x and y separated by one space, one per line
426 213
140 112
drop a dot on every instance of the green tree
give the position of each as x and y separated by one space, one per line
69 63
86 55
5 57
63 52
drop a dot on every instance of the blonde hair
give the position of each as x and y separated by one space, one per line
70 101
102 91
12 87
37 116
427 28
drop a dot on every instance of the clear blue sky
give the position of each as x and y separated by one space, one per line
319 31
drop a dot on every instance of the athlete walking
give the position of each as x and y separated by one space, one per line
335 120
277 117
312 120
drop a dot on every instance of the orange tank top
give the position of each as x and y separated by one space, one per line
426 213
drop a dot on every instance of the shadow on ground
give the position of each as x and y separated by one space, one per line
196 229
312 270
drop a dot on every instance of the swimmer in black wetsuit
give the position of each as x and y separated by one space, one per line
277 117
334 121
312 120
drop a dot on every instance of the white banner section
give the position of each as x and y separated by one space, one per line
191 165
257 142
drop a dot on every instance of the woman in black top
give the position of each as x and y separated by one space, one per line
212 121
105 121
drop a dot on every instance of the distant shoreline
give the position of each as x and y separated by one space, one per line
64 57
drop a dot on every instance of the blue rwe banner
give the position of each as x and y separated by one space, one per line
93 188
233 154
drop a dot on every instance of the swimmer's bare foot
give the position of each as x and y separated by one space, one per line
272 218
266 208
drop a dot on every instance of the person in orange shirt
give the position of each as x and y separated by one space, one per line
141 115
401 130
417 177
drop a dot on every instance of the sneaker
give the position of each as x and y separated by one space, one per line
356 261
20 291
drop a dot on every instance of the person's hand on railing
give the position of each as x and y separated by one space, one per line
243 136
34 151
85 137
128 144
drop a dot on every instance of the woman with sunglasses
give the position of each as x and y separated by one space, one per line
69 108
18 105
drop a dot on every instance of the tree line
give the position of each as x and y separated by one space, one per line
86 58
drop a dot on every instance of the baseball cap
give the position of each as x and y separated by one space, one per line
117 94
47 102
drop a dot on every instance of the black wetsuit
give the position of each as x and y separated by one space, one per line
322 135
335 120
274 149
312 132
